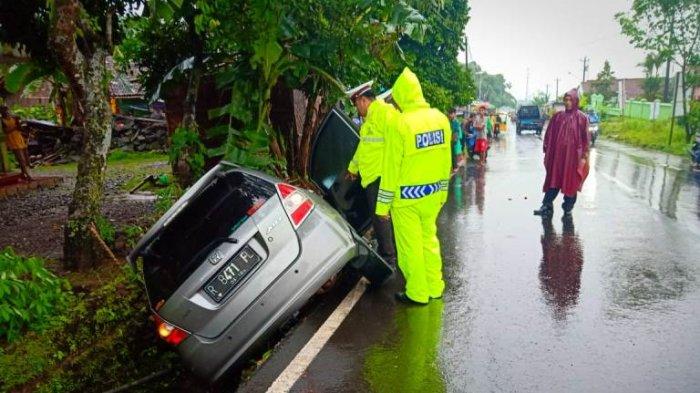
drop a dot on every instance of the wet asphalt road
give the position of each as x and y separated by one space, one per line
608 303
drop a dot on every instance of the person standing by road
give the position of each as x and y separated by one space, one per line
15 141
367 161
456 138
482 144
413 188
565 146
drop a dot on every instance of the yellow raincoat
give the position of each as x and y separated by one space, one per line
413 187
368 158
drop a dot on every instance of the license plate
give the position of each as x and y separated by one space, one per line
232 273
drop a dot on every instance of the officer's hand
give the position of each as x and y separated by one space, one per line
350 176
387 217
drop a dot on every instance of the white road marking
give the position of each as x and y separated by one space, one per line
620 184
303 359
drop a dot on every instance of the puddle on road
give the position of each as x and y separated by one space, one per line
406 359
560 271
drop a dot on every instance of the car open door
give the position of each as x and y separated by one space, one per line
332 150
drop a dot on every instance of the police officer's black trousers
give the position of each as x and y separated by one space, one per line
552 193
383 229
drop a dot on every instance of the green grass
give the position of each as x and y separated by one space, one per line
128 157
103 339
648 134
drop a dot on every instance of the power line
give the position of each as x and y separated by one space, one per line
527 84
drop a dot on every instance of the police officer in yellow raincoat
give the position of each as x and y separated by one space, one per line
413 188
367 161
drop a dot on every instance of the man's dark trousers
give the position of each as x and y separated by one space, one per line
552 193
383 229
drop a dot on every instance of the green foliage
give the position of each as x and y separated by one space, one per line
102 339
540 99
584 100
652 81
186 144
156 45
30 294
38 112
692 120
165 198
254 45
106 230
119 156
492 88
434 57
604 81
133 233
668 28
649 134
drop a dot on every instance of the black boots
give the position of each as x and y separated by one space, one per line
403 298
545 211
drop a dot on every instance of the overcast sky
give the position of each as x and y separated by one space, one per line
550 38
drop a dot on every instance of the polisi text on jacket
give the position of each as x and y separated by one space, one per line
430 138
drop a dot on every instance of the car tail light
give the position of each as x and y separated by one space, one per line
295 202
173 335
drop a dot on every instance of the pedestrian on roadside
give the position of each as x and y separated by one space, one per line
469 135
565 147
367 161
482 144
489 127
495 121
456 139
15 141
413 189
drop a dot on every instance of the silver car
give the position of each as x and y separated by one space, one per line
241 251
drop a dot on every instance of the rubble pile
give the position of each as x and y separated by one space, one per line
53 144
139 134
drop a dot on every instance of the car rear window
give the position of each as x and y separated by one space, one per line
529 111
210 216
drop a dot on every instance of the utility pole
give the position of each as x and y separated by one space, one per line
668 63
527 84
466 52
546 94
585 68
557 91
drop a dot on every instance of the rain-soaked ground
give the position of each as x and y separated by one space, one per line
610 302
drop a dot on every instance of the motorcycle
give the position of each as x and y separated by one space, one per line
695 153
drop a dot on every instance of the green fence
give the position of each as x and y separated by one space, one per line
649 110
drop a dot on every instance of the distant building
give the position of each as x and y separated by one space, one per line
634 87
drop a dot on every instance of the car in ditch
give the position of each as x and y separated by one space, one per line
241 251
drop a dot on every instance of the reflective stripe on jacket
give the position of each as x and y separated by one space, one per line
368 158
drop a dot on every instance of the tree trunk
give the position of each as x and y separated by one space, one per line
684 88
87 77
283 123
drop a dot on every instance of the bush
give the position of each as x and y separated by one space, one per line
649 134
38 112
30 294
102 339
165 198
106 230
